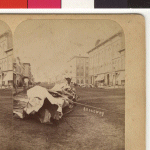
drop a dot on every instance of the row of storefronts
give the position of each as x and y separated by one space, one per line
109 79
107 62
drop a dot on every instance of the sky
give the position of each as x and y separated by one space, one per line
48 44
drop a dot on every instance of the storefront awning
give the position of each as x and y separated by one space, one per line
8 77
100 77
121 76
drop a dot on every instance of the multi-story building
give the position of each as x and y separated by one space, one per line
18 72
78 69
6 59
22 73
107 61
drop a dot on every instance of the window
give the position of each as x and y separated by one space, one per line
77 81
81 81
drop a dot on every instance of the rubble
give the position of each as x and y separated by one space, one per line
46 105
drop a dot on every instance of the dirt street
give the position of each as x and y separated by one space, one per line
6 105
80 129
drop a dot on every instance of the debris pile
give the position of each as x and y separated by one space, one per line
46 105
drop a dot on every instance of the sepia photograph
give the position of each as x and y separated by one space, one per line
72 82
68 84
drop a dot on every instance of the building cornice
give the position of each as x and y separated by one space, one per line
78 57
117 34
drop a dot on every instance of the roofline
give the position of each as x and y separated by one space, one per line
105 41
77 57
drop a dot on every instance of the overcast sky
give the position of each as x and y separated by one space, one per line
48 44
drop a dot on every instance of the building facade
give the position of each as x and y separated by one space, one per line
27 73
78 69
22 73
107 62
18 72
6 59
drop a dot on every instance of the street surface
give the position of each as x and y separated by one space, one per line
78 130
6 127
